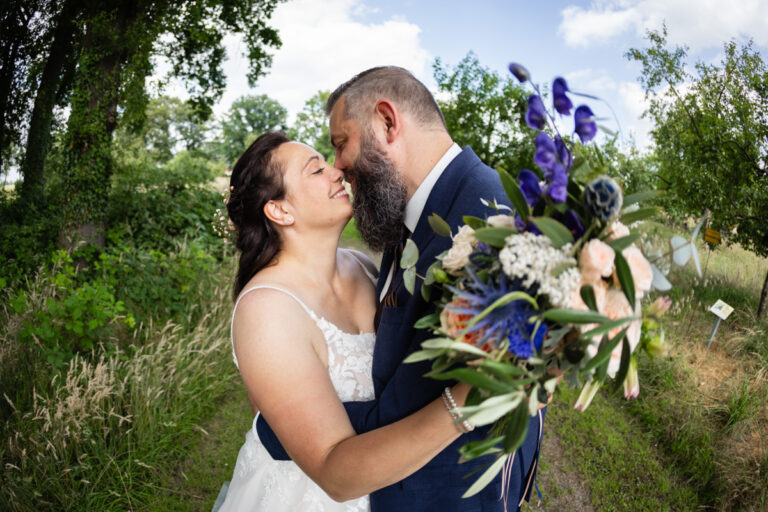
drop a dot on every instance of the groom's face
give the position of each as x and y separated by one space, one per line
380 194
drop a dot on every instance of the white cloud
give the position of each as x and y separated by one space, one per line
324 44
699 24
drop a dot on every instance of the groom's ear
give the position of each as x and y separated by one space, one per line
388 116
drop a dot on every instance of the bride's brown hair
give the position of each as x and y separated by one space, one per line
256 179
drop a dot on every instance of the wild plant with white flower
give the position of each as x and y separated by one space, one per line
549 291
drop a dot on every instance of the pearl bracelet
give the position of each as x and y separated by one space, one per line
464 426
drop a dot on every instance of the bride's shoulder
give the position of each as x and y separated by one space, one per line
262 308
360 264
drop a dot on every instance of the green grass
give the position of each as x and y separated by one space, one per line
616 457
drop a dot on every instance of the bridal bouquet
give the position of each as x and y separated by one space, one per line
550 290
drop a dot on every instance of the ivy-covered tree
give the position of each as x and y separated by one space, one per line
311 125
111 48
711 136
247 118
485 111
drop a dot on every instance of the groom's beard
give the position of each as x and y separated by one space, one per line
380 196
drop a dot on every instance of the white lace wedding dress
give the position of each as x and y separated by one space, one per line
262 484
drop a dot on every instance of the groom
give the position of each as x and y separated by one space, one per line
391 140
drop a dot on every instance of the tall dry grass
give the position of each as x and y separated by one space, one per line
98 434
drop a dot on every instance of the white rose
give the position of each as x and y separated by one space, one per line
466 235
502 221
457 257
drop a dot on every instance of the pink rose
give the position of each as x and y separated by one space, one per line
617 230
641 270
596 260
617 306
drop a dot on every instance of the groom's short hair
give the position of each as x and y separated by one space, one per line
391 82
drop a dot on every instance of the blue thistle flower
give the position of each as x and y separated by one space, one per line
603 198
510 322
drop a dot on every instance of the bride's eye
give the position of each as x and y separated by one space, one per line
319 170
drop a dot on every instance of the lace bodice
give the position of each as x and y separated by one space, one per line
350 356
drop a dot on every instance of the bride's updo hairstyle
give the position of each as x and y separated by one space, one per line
256 179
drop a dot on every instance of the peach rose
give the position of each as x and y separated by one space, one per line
502 221
596 260
453 323
458 255
617 230
617 306
642 274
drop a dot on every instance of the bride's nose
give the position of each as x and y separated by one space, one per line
337 174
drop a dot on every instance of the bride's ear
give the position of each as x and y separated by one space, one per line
275 212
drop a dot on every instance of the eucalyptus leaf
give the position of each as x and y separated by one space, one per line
697 229
625 278
474 222
695 255
514 194
639 214
410 255
409 279
554 230
438 225
494 236
533 401
660 281
487 477
681 250
427 321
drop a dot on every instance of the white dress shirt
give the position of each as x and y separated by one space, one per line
418 201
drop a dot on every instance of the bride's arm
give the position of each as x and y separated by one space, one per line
291 387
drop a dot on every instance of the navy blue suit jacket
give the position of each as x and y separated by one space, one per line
401 389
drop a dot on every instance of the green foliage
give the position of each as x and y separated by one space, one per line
486 112
76 315
311 125
249 117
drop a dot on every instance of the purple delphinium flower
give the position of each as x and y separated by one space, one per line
509 322
536 116
529 186
561 101
545 151
586 127
572 222
519 71
558 183
563 154
526 227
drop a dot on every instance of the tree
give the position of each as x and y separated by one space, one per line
249 117
115 57
711 136
485 112
311 125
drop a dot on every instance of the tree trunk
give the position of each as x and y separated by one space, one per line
762 306
92 120
39 136
13 19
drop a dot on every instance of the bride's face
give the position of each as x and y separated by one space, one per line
314 189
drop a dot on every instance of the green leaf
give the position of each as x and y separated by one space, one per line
626 356
427 321
606 327
492 408
473 377
637 215
638 197
572 316
409 279
500 302
554 230
502 369
426 292
439 226
494 236
622 243
474 222
514 194
625 278
410 255
605 351
475 449
516 429
588 296
487 477
422 355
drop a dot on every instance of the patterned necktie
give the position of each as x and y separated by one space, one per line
390 298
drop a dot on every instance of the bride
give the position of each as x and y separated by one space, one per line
302 335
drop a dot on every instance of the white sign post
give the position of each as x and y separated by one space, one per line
722 311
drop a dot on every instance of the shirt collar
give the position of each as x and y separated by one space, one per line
415 206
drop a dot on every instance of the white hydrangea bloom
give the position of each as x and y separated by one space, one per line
533 258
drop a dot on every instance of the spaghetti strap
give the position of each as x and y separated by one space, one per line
373 278
258 287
